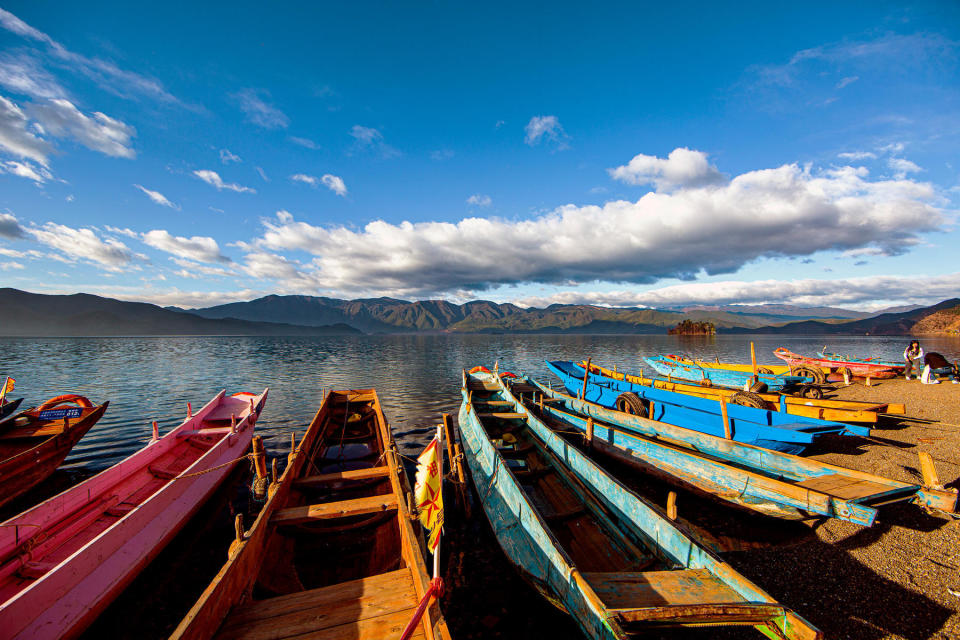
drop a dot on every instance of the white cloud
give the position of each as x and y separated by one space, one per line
262 174
22 74
857 155
16 139
479 200
330 181
100 132
304 142
10 227
846 82
901 167
9 266
83 244
226 157
369 139
158 197
213 178
197 248
161 297
123 232
26 170
253 102
548 128
196 270
863 291
662 235
12 253
682 168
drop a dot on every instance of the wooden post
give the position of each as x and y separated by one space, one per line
590 432
259 457
867 382
672 505
448 436
540 401
726 419
233 423
293 448
928 471
650 414
273 471
189 410
156 431
586 374
753 359
238 540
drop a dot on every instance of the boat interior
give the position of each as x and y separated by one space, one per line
341 559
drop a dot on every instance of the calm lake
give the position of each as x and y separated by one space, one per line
417 378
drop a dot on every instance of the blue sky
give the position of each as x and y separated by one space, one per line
621 154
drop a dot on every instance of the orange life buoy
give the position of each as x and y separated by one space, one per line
479 368
68 397
508 374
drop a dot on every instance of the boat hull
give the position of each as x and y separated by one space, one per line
860 369
693 372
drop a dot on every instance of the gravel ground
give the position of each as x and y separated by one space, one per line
899 578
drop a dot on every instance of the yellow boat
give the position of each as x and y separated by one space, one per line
821 408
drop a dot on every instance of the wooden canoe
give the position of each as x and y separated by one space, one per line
820 408
591 546
761 427
671 369
768 482
63 561
7 408
34 442
333 553
861 369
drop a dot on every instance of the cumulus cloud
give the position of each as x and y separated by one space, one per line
213 178
197 270
226 157
861 291
10 227
16 138
197 248
23 74
101 132
10 266
253 102
479 200
83 244
162 297
662 235
330 181
545 128
26 170
371 140
682 168
158 197
901 167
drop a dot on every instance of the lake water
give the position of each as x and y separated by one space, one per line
417 378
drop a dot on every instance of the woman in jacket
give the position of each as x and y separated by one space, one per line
913 356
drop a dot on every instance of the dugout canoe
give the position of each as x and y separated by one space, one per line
820 408
861 369
761 427
776 369
63 561
7 408
768 482
673 369
591 546
842 357
333 552
33 443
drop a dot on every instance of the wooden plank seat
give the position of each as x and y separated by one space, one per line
162 473
627 591
330 510
343 476
378 606
494 403
503 416
840 486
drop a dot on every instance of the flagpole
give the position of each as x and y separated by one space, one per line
436 552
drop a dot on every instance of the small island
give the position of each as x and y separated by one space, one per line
691 328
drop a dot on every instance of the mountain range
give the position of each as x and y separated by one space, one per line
31 314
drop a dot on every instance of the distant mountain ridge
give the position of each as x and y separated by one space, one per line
893 324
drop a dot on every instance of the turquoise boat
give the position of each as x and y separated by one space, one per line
592 547
691 372
767 482
776 430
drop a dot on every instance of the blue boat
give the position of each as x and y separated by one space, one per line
591 546
767 482
776 430
672 369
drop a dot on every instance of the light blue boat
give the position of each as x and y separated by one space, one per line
670 368
591 546
777 430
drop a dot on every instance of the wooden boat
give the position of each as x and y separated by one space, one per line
862 369
674 369
333 553
775 369
7 408
769 429
63 561
820 408
34 442
592 547
841 357
768 482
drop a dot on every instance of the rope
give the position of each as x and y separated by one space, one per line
219 466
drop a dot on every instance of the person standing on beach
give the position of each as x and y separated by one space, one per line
913 356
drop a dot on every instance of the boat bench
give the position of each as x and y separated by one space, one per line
342 476
637 595
330 510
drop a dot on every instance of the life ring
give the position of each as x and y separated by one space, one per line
242 393
68 397
782 350
508 374
479 369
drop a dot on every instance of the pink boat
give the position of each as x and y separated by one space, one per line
63 561
861 369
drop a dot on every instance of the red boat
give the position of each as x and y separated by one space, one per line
862 369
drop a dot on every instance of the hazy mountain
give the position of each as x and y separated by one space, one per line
784 312
33 314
